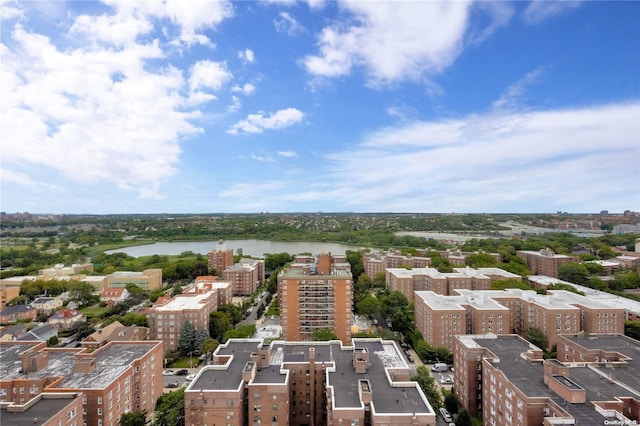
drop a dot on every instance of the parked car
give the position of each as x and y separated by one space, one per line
182 373
410 358
168 373
445 415
173 385
190 377
375 322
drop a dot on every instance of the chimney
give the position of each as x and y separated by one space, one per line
85 364
360 360
34 361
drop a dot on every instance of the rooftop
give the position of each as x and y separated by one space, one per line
112 360
40 412
478 299
182 301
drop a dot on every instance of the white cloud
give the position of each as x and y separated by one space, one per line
288 24
257 123
540 10
11 176
97 114
262 158
9 10
391 40
512 96
287 154
246 89
209 75
235 104
545 160
246 55
499 13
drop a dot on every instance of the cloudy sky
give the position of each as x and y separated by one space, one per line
346 106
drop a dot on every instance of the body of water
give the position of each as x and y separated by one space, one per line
253 248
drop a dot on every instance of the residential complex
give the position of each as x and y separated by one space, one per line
46 409
440 318
245 276
167 317
506 380
406 281
316 296
220 258
307 383
545 262
117 378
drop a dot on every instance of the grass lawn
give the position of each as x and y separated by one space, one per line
184 363
93 311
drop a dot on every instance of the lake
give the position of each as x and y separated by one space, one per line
253 248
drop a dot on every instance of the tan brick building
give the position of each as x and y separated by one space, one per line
149 279
307 383
220 258
245 276
316 296
118 378
545 262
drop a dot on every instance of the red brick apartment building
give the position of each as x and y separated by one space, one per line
307 383
506 380
440 318
220 258
45 409
245 276
168 316
117 378
545 262
314 296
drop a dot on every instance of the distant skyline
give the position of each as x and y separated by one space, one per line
304 106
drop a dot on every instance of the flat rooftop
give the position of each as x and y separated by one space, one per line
40 412
221 377
478 299
529 378
301 273
182 301
111 361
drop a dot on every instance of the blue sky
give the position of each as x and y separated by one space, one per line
284 106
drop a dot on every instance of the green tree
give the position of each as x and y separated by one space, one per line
209 346
536 337
233 310
566 287
428 385
370 305
53 341
450 402
509 283
200 336
133 419
516 265
80 291
186 339
463 419
170 409
575 273
219 324
481 260
242 332
81 329
131 318
323 335
379 280
276 261
632 329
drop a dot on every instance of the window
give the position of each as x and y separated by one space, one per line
99 411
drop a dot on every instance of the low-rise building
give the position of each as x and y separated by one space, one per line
18 312
545 262
149 279
65 318
45 409
113 296
303 383
47 305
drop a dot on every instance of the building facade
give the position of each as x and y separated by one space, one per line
220 258
307 383
117 378
545 262
245 276
314 296
149 279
